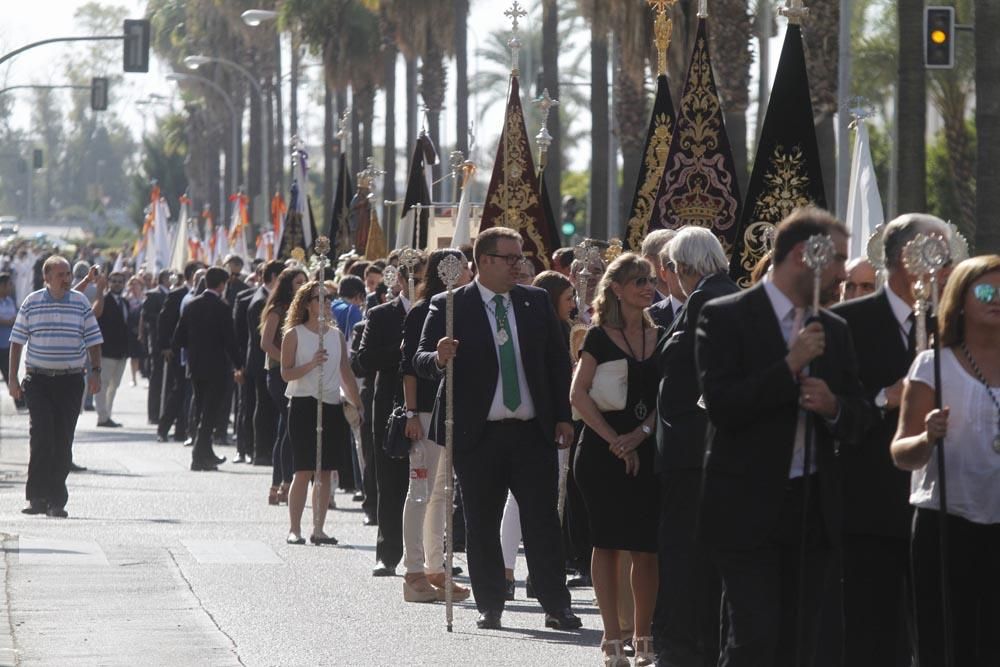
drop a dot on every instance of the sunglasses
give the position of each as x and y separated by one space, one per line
985 293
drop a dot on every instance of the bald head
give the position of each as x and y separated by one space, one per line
861 279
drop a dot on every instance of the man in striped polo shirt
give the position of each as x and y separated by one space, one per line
59 328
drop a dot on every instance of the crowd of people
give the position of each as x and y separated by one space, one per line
743 480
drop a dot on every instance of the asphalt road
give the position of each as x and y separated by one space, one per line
158 565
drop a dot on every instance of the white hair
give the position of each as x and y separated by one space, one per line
655 242
699 250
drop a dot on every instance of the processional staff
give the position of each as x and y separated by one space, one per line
318 265
450 271
925 256
818 253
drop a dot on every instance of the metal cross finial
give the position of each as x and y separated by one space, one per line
661 6
514 14
543 138
343 126
663 28
794 11
546 104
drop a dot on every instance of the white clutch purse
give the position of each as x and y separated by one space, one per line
609 390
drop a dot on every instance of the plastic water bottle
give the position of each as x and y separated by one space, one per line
418 475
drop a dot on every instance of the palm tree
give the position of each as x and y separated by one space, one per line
429 34
820 33
911 109
987 127
461 9
731 27
390 54
597 12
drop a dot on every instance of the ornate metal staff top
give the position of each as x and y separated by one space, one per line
515 13
390 274
794 11
817 255
663 28
543 138
409 258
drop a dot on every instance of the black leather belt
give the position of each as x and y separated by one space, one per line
53 372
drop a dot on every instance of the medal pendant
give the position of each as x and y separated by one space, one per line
641 411
502 337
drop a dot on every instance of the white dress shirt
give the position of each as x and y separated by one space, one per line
498 411
784 310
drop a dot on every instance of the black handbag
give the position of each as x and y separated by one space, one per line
396 445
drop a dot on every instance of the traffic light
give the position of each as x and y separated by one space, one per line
99 93
36 159
939 37
570 207
136 45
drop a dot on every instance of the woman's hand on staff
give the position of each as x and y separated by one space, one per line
447 349
936 422
414 431
319 358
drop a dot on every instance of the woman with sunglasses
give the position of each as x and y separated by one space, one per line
614 463
307 369
969 427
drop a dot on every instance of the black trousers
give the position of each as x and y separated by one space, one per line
264 418
175 409
974 580
155 393
229 394
53 408
209 401
393 479
576 526
761 587
369 478
247 401
513 455
686 619
877 601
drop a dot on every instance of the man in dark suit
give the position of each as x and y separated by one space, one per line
877 512
669 297
686 621
206 331
265 413
234 286
149 318
379 352
771 494
245 396
174 407
511 374
366 380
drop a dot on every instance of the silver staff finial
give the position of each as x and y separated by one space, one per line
515 13
794 11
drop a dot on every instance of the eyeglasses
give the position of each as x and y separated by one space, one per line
985 293
671 267
512 260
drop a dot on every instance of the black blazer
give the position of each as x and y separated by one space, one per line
150 309
206 331
169 316
681 423
662 313
255 354
413 326
752 402
876 493
233 290
114 328
240 322
544 353
379 353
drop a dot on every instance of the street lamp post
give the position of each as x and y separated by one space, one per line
193 62
253 18
176 76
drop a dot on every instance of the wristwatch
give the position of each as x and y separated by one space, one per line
410 414
646 429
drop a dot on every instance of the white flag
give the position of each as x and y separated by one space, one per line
179 256
161 236
463 233
864 206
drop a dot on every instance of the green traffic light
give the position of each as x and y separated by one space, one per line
568 229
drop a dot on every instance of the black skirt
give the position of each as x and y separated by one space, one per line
302 433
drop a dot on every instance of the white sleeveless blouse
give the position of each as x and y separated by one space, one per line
305 350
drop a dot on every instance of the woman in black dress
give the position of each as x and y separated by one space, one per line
614 463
